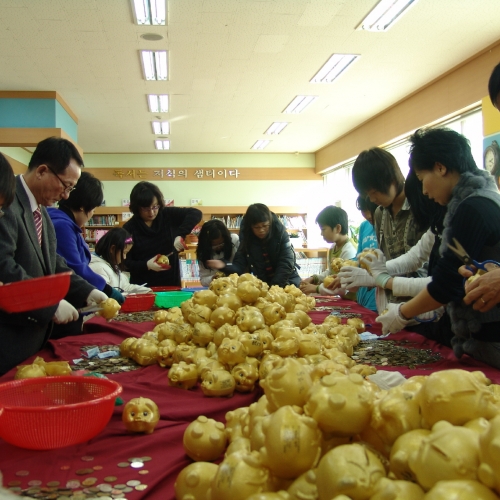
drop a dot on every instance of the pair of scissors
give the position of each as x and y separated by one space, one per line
461 253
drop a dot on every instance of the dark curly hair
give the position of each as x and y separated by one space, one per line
143 194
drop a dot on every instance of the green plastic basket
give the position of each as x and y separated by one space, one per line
171 299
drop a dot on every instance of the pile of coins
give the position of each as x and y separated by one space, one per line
90 487
117 364
136 317
392 353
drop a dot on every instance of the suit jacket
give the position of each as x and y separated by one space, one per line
21 257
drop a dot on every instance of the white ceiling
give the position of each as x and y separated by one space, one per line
234 65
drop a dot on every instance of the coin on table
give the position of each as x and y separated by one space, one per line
106 488
123 464
13 483
72 484
89 481
83 472
52 484
87 458
135 459
146 459
110 479
133 482
141 487
136 465
22 473
143 471
65 467
120 486
35 482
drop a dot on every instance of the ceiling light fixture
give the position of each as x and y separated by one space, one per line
154 63
158 103
261 144
384 14
150 12
276 128
333 68
162 144
299 103
161 128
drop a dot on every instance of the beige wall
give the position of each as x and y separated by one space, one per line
462 87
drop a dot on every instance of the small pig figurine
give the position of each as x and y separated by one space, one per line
141 415
183 375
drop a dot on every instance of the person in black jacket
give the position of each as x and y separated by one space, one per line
156 230
265 249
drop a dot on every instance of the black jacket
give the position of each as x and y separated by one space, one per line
158 239
250 258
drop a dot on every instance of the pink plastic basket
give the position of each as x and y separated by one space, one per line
52 412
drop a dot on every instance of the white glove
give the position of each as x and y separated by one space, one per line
153 265
139 289
354 277
96 297
431 316
392 321
179 244
65 313
377 267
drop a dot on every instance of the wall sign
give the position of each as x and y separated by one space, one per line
204 174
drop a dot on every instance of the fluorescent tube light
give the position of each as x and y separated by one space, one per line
384 14
333 68
161 128
154 63
299 103
158 103
162 144
150 12
261 144
276 128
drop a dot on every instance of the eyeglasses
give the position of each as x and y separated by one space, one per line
67 189
2 213
262 227
154 208
218 247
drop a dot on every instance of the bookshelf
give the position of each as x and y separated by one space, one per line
293 217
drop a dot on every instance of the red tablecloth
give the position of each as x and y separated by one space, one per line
177 408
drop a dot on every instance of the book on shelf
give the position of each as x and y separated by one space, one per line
230 222
102 220
293 221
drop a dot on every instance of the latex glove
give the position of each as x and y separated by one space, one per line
96 297
392 321
139 289
65 313
179 244
354 277
377 267
431 316
115 294
153 265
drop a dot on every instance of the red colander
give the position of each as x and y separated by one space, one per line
52 412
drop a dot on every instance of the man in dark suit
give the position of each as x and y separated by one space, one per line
28 250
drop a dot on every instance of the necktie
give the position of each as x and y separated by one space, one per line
37 214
